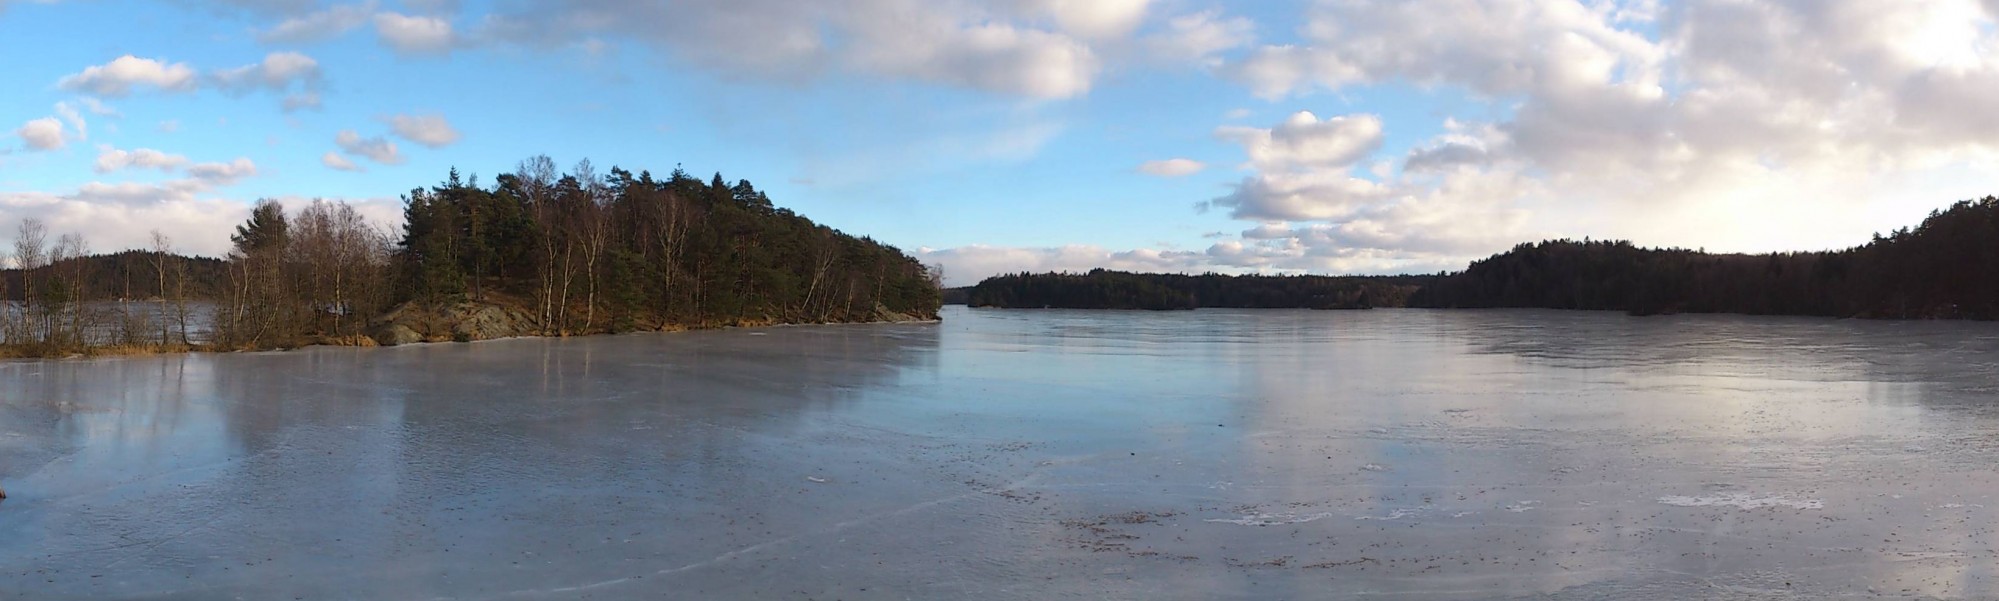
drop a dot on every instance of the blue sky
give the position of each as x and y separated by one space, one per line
1328 136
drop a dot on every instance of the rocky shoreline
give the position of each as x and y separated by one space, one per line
468 321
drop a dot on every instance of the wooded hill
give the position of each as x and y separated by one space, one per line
1946 267
130 275
1104 289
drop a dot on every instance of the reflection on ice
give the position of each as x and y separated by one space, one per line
1030 455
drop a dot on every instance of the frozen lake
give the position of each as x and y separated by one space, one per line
1029 455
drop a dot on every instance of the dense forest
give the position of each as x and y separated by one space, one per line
536 252
1947 267
1103 289
624 251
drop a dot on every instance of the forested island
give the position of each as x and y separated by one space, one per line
1947 267
537 252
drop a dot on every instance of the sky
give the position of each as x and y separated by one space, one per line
993 136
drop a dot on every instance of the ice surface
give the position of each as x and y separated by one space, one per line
1028 455
1742 501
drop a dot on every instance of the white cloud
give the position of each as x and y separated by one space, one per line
75 120
123 214
1031 48
1304 141
1092 18
42 134
1495 48
1199 38
278 72
1172 167
169 126
377 149
1320 194
1732 124
120 76
429 130
989 56
339 163
320 26
119 216
415 34
222 174
296 75
111 159
97 107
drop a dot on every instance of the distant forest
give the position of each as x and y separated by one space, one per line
131 275
1103 289
1945 268
556 253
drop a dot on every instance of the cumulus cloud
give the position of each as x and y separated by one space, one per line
222 174
1092 18
415 34
122 75
1304 141
1302 168
42 134
319 26
1048 49
339 163
429 130
278 71
377 149
122 214
990 56
295 75
1172 167
1732 124
1495 48
111 159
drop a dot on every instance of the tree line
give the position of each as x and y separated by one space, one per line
1946 267
1106 289
576 252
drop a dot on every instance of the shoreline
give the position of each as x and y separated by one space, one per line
8 354
1624 312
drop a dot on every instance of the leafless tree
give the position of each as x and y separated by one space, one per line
30 256
536 178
